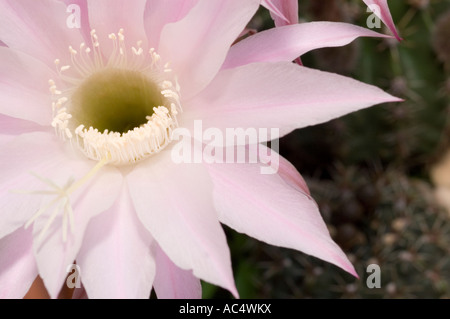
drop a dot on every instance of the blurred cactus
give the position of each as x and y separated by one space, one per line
339 60
441 38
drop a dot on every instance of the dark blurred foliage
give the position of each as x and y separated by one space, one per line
368 171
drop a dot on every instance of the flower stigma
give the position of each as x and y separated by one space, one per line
116 111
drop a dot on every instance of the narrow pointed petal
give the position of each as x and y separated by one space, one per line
115 259
289 42
212 25
17 265
158 13
172 282
174 203
384 14
267 208
27 26
24 89
106 17
283 12
279 95
53 255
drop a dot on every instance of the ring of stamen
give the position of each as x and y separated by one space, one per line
74 119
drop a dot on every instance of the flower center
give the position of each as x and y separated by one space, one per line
122 109
115 100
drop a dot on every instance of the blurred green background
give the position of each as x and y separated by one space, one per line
368 171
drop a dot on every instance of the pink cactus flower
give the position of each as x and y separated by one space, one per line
90 98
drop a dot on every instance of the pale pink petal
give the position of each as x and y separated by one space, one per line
382 10
24 89
40 153
38 28
54 256
17 265
115 259
278 95
289 42
108 17
158 13
172 282
267 208
196 46
174 203
283 12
